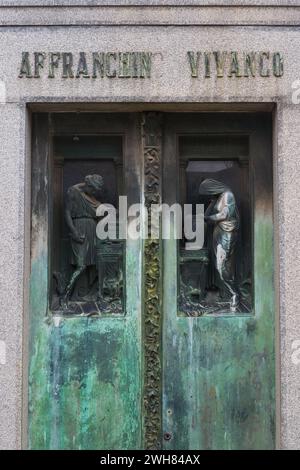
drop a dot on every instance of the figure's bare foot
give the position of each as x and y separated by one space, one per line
63 302
234 303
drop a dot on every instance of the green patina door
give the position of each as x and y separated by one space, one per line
85 361
146 343
218 360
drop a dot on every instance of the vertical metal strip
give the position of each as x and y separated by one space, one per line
152 149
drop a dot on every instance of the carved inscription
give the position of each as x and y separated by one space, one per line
235 64
86 64
200 64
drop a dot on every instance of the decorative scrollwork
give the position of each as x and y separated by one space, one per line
151 129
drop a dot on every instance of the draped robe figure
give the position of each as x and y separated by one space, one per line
223 213
81 206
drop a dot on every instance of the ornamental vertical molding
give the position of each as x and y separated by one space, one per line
152 146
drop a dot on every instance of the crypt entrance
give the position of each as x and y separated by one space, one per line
154 343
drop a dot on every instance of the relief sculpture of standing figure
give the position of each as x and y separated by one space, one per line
80 214
223 213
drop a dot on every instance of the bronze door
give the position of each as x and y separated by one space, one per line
141 342
218 349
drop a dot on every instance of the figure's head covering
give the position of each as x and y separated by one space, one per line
210 187
94 181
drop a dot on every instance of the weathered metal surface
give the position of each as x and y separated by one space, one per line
84 373
152 291
219 372
217 277
99 262
208 382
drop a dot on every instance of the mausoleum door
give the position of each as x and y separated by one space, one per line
218 312
163 342
85 294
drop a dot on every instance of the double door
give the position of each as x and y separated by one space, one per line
159 342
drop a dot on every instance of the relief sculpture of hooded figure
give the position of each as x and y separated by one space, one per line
223 213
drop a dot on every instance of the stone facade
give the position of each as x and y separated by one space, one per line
168 30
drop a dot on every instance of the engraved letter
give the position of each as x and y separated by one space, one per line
207 64
249 64
54 58
39 58
277 64
98 64
124 65
234 66
135 60
110 73
194 63
220 60
82 66
146 64
25 68
262 71
67 65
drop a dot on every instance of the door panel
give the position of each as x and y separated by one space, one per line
85 371
218 370
151 370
